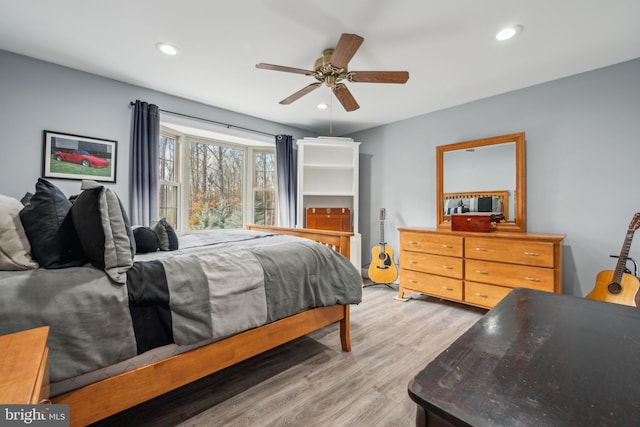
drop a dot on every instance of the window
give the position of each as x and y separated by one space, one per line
264 188
168 197
210 184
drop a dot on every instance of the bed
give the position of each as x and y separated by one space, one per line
201 342
476 201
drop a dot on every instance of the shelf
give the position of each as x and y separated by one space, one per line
328 194
327 175
348 167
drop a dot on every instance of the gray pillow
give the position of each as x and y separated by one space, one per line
104 231
15 250
166 235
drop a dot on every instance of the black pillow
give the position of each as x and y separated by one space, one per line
166 234
485 204
146 240
103 228
47 222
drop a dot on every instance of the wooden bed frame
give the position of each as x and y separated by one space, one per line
102 399
503 195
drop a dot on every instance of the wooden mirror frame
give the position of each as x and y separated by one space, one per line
520 223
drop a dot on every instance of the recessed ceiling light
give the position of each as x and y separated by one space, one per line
167 49
322 106
508 32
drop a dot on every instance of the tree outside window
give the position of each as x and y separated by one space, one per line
216 186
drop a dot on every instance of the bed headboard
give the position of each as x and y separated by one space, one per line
502 195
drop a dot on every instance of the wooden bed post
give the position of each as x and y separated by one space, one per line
345 330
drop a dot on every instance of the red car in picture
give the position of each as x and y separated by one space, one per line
81 157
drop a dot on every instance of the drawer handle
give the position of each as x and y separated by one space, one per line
447 267
532 253
446 288
447 246
412 261
411 242
413 281
481 249
478 294
532 279
482 272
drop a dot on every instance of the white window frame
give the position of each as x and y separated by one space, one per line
186 130
177 183
251 188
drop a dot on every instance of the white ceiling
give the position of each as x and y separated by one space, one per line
446 45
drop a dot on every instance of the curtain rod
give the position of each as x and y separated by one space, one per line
212 121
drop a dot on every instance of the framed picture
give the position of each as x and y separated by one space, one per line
69 156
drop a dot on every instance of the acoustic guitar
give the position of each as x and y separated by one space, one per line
617 286
382 268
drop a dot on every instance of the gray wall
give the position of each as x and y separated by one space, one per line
36 95
583 150
583 153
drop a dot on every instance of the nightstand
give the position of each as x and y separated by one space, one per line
24 367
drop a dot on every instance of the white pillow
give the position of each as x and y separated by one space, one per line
15 250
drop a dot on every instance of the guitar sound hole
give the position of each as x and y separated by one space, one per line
614 288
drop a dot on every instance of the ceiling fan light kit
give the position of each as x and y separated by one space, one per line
508 32
167 49
331 70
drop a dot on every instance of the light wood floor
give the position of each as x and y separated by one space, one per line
311 382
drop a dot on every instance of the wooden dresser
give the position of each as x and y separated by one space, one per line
24 367
478 268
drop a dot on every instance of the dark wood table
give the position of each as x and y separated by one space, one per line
537 359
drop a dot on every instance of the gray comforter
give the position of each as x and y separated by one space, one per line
219 284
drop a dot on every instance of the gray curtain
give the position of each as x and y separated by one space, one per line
286 164
143 188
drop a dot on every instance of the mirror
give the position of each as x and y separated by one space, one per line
480 173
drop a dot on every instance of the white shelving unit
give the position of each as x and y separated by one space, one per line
328 177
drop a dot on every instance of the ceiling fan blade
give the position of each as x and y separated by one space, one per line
378 76
285 69
345 49
299 94
344 96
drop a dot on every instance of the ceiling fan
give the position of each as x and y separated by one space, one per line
331 69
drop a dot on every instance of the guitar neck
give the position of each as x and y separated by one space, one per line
622 260
382 242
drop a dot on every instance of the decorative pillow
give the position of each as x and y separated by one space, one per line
166 234
26 199
15 250
496 204
485 204
456 210
452 205
49 227
104 231
146 240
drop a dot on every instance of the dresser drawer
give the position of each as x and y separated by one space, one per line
483 294
539 254
431 284
432 243
510 275
434 264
